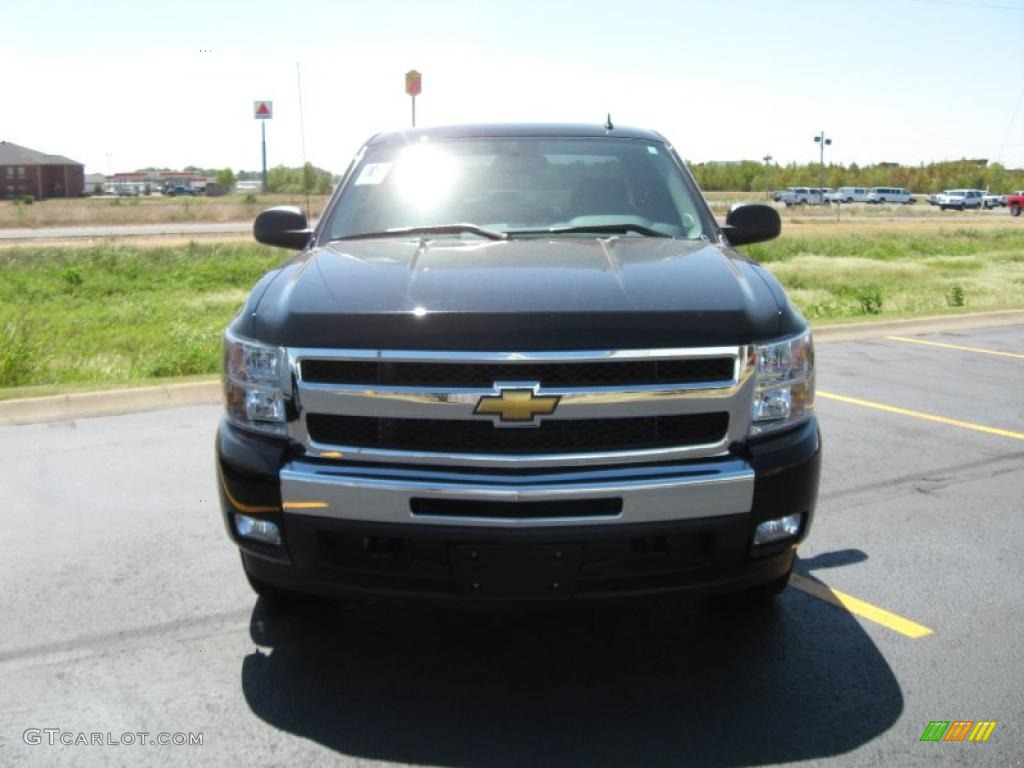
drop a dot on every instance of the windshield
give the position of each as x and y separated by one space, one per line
518 186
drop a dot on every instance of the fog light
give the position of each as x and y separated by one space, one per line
771 531
258 530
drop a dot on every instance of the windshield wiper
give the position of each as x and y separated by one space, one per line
612 229
439 229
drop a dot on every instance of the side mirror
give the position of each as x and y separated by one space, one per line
284 226
751 223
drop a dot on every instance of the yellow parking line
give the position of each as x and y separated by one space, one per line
854 605
922 415
956 346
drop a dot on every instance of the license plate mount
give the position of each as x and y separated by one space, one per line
516 571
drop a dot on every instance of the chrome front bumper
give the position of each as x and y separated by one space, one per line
378 494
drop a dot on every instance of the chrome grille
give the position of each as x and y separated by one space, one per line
484 374
613 407
555 436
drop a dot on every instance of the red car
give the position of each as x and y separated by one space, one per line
1015 201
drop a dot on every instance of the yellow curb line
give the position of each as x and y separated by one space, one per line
857 606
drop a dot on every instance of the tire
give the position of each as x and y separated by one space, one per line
277 597
1015 209
766 593
942 207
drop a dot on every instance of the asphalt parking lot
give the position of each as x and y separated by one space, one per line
125 609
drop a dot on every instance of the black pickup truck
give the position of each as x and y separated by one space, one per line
518 362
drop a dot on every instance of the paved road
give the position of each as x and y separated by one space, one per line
129 230
125 610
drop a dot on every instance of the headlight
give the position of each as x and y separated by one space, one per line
783 383
255 377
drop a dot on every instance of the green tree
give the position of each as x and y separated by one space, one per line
226 178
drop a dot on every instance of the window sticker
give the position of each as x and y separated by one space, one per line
373 173
652 150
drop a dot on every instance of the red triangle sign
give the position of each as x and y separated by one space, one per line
262 109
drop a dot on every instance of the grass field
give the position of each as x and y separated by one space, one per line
90 316
108 313
93 211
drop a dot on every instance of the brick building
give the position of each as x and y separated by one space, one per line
25 171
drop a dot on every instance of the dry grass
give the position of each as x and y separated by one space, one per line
144 210
139 242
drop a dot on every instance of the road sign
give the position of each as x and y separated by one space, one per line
413 82
263 110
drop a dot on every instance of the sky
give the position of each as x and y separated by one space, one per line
124 85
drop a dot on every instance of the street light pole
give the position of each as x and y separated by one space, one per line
822 143
767 182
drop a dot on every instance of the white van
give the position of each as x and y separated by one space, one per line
848 195
890 195
801 196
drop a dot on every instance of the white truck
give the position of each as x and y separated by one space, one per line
993 201
801 196
961 199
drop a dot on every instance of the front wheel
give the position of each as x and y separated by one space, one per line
269 592
1015 209
765 593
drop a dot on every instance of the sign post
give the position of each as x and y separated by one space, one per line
413 86
263 111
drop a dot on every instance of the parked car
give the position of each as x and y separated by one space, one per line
801 196
179 190
993 201
847 195
399 423
890 195
961 199
1015 202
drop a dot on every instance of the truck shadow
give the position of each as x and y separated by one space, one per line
658 683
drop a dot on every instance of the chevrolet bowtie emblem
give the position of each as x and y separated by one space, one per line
517 405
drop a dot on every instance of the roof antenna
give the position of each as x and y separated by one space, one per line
608 123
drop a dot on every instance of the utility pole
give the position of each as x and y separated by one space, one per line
767 173
822 142
263 137
263 111
413 87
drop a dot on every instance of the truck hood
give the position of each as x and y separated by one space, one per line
522 294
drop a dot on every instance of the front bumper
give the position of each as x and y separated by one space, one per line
356 531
